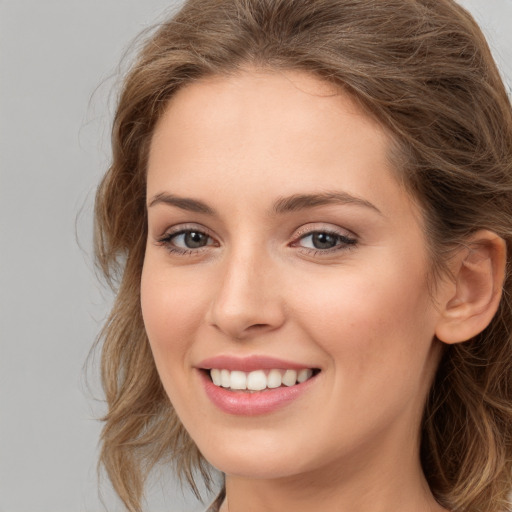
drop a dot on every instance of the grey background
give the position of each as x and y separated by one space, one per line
58 60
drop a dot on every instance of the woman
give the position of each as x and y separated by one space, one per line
309 216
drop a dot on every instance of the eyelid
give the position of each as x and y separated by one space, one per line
346 239
180 228
318 227
166 239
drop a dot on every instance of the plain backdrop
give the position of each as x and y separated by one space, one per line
58 65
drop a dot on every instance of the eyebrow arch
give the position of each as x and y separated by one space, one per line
301 201
283 205
184 203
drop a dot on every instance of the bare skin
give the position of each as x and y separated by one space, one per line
339 286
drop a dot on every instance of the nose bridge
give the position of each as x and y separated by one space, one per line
247 299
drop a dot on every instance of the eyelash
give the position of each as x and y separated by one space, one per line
344 242
167 241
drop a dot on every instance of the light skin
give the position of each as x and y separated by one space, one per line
276 227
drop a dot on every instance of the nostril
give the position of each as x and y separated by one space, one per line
251 330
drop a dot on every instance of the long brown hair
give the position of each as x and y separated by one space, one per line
422 68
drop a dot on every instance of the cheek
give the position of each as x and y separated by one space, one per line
381 352
371 324
171 310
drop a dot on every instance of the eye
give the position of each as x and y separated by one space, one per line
186 241
190 239
324 241
320 240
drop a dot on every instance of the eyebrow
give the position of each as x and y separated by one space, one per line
283 205
184 203
303 201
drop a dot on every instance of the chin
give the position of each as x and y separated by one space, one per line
268 459
260 469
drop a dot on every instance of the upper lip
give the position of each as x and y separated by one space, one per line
249 364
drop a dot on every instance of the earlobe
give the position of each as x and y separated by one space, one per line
479 272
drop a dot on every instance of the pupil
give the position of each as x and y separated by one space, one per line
193 239
324 241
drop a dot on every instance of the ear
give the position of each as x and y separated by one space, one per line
473 297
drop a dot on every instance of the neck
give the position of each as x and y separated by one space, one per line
262 496
376 486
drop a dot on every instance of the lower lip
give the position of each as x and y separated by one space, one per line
252 404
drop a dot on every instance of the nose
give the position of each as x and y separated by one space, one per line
248 300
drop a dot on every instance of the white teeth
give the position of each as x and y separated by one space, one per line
289 377
225 378
238 380
258 380
215 374
304 375
274 379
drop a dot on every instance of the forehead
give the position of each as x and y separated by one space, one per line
286 132
257 97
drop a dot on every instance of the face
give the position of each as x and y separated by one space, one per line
283 255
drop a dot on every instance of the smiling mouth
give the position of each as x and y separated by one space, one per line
259 380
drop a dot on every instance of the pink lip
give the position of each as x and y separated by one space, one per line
249 364
252 404
243 403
